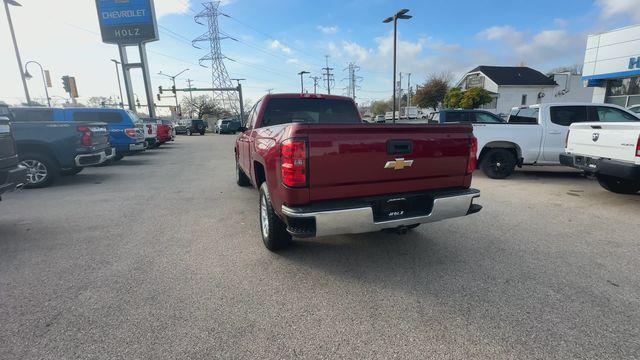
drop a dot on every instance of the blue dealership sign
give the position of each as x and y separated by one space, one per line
127 22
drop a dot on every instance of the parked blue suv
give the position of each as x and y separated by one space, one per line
126 132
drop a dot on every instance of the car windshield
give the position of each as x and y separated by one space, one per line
310 111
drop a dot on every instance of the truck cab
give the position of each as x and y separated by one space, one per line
126 134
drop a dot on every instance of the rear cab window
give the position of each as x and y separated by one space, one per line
109 117
525 116
456 117
310 111
567 115
19 115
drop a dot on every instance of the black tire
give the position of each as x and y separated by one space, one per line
202 133
119 156
241 178
617 185
498 163
272 228
48 173
188 132
71 172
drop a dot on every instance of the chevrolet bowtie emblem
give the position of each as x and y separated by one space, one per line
398 164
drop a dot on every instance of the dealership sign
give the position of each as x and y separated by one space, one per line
127 22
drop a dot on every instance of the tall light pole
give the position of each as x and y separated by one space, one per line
173 79
119 83
399 15
302 73
15 46
44 78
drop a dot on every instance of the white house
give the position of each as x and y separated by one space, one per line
612 66
512 86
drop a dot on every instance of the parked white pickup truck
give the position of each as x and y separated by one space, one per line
533 135
608 149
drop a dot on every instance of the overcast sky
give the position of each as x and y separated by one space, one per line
277 39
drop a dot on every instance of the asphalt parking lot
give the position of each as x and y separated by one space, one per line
160 256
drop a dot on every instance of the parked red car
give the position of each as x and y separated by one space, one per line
321 171
164 132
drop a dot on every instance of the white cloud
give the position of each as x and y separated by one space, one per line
538 49
613 8
171 7
277 45
333 29
356 52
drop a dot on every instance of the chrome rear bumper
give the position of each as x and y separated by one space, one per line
361 219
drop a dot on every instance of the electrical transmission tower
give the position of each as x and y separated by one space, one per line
327 75
315 83
219 76
352 80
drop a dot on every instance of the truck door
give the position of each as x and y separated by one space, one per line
556 127
245 140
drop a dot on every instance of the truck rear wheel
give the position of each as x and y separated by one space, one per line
273 230
498 163
617 185
41 170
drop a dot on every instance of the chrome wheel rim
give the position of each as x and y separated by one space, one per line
264 218
36 171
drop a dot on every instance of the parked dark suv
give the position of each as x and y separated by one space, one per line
12 175
448 116
190 127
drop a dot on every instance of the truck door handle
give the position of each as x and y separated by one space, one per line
554 132
399 147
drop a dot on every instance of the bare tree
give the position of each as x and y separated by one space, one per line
201 106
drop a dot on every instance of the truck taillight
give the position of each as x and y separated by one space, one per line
293 153
130 133
638 147
149 129
86 139
473 156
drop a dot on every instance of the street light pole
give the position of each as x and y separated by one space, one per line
15 46
119 84
240 99
301 73
44 78
399 15
173 79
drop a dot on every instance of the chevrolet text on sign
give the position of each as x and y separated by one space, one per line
127 22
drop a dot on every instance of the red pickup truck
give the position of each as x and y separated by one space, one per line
321 171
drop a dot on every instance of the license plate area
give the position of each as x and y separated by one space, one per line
402 207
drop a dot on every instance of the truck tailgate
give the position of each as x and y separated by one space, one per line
604 140
364 160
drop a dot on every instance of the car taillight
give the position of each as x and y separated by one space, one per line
86 139
638 147
293 153
149 129
130 133
473 156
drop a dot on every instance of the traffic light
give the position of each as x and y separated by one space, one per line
65 84
73 87
173 89
160 89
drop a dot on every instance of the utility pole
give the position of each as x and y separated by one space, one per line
315 83
408 89
269 91
239 99
15 46
302 73
328 75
